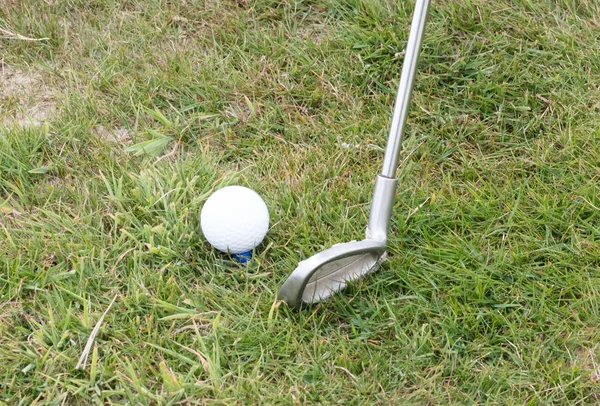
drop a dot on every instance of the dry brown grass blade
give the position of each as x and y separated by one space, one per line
88 346
13 35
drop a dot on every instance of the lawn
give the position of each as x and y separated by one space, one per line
119 118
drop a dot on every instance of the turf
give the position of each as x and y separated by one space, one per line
491 291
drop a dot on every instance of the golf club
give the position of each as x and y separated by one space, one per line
329 271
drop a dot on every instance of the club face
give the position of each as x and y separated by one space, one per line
329 271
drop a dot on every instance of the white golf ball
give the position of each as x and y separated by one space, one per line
234 219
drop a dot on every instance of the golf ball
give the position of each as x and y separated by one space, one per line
234 219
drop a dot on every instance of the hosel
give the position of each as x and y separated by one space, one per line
381 208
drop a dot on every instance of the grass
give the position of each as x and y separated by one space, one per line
490 294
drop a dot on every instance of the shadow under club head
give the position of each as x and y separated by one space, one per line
329 271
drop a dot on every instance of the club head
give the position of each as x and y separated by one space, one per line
328 272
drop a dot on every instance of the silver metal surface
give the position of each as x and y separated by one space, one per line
407 79
381 208
329 271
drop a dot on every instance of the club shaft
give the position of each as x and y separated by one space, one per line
407 79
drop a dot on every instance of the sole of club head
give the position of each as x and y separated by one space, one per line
327 272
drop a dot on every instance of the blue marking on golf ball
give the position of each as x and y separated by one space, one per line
244 257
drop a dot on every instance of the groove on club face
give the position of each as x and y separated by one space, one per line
329 271
333 276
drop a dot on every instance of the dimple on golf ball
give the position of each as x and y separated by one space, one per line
234 219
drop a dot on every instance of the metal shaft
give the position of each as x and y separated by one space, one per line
385 186
409 68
